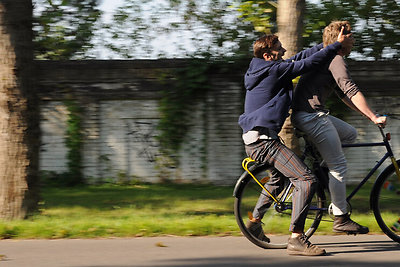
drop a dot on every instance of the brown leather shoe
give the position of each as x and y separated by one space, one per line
255 228
300 246
343 223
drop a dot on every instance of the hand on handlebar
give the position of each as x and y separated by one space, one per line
380 120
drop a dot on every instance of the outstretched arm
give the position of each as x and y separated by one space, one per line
306 53
293 69
344 39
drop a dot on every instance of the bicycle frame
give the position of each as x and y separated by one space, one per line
245 164
389 153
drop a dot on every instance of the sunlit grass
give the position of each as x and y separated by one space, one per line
142 210
126 211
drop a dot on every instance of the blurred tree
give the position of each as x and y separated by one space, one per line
199 28
19 112
130 32
376 25
290 15
261 14
222 28
63 29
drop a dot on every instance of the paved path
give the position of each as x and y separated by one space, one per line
367 250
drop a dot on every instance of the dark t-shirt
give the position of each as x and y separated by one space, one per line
314 87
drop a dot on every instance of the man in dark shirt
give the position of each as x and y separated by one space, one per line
269 87
328 132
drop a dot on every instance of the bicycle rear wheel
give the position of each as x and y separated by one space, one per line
385 200
276 220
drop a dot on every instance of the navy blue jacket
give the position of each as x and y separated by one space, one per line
269 86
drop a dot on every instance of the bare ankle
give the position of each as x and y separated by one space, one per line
296 234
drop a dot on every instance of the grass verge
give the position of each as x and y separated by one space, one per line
143 210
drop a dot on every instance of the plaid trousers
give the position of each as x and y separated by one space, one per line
284 162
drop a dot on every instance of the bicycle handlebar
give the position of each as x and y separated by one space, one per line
381 131
381 127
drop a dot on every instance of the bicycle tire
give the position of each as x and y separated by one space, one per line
385 202
246 194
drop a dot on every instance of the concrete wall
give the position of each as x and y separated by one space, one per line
120 100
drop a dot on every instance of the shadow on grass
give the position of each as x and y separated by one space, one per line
136 196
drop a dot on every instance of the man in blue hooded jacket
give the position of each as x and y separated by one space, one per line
269 87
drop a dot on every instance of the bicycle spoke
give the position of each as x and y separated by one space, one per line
273 230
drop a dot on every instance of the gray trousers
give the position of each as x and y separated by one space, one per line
286 163
328 133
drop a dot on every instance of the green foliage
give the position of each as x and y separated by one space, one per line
376 25
262 14
52 178
213 28
74 142
228 27
130 32
63 29
178 98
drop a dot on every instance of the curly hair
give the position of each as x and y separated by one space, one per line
264 44
332 31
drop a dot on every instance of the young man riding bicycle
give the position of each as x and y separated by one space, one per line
269 87
326 131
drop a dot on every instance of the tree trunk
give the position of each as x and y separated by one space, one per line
19 112
290 27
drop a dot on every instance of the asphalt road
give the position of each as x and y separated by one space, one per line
366 250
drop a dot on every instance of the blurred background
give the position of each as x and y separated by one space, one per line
147 94
122 29
151 90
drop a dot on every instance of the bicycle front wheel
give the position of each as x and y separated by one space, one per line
276 216
385 200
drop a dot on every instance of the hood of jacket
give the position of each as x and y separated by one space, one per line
257 71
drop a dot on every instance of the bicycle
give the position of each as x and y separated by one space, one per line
249 186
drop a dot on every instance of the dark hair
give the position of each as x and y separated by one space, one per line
332 31
264 44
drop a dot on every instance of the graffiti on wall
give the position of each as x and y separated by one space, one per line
141 137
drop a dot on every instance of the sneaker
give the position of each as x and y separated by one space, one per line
343 223
301 246
255 228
